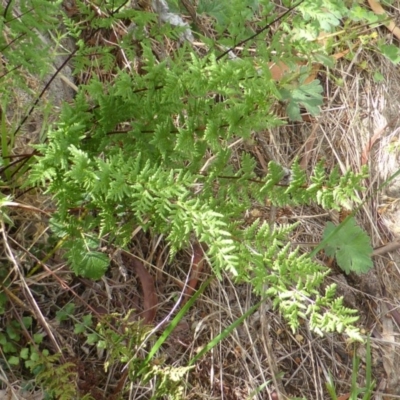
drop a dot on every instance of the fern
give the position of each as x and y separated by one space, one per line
59 380
130 153
22 28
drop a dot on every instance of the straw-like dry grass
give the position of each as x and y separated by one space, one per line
263 352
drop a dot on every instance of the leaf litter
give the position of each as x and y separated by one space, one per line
350 113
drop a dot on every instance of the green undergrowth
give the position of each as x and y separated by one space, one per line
150 147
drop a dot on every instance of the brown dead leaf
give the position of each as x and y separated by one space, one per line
378 9
197 267
278 70
150 299
376 136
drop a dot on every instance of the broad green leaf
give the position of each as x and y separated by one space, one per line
27 321
79 328
13 331
350 246
305 95
87 320
65 312
13 360
92 338
24 353
38 338
391 51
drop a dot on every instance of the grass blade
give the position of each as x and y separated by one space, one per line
227 331
168 330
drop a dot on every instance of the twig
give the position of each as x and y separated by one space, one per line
258 32
387 248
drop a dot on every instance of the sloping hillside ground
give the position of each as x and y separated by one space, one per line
262 359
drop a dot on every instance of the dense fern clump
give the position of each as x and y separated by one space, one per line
153 150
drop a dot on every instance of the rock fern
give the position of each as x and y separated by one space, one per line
152 150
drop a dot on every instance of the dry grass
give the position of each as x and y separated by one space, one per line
263 352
